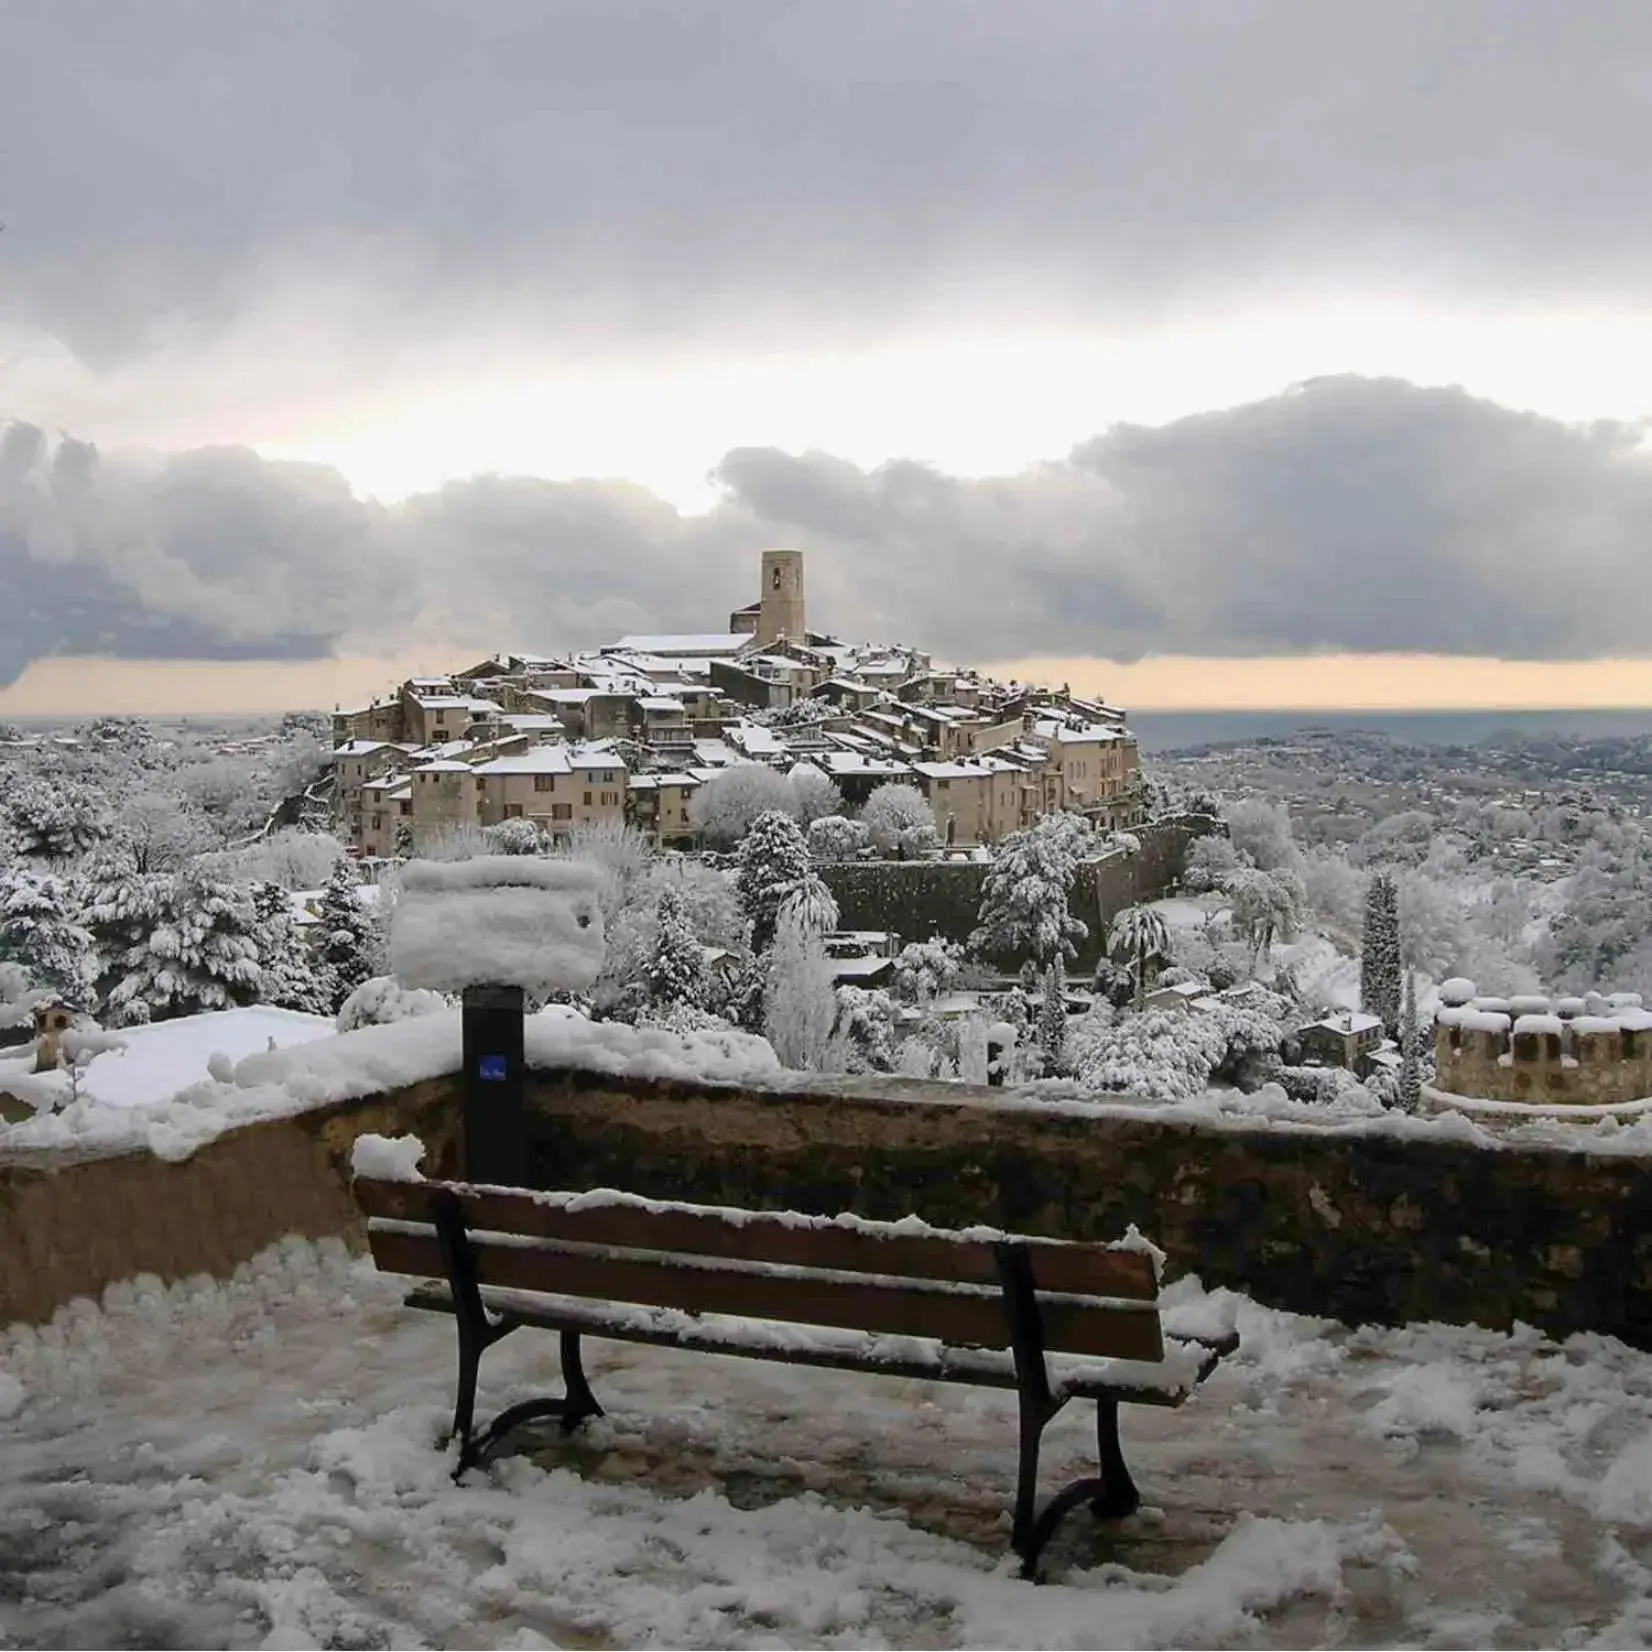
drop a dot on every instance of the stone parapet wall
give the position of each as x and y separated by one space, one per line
73 1223
1368 1227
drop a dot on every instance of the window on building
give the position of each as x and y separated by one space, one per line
513 811
587 800
562 811
544 782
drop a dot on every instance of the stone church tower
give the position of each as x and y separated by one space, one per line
780 611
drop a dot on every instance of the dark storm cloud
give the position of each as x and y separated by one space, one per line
1349 514
641 167
210 554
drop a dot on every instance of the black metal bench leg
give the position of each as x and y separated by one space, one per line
570 1408
1026 1483
1119 1496
1112 1495
578 1401
471 1348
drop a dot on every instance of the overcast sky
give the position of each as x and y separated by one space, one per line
1081 329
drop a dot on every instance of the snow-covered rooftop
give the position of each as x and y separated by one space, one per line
951 771
551 759
666 646
1348 1021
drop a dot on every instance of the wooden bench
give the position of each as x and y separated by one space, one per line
1052 1320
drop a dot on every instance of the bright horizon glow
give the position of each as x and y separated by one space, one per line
1348 682
1319 683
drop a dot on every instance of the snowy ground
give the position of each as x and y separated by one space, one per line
154 1063
1325 975
252 1465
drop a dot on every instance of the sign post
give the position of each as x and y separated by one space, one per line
496 930
495 1121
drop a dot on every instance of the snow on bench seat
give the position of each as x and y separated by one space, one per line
1166 1382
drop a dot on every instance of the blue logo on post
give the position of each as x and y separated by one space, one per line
492 1069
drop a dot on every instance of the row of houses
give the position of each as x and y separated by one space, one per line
632 731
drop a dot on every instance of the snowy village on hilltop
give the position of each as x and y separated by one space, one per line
873 1028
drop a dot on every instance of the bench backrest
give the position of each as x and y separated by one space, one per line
898 1279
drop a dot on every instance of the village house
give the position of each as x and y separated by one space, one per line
1346 1038
559 788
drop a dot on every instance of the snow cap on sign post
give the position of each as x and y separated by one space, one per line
498 920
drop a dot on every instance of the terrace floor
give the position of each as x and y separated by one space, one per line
252 1464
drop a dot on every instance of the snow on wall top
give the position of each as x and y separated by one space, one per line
372 1060
508 920
1459 990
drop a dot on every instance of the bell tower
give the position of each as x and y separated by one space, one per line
780 611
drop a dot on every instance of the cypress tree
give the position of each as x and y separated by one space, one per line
1379 961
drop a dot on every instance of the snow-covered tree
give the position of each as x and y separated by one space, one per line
288 977
1261 832
118 906
620 852
836 837
382 999
463 841
867 1019
345 937
53 817
709 905
811 904
514 837
1165 1055
814 794
799 1007
162 830
1266 906
899 821
1139 940
1024 897
1209 861
731 802
1411 1073
1379 962
676 970
201 955
773 864
926 969
39 932
1052 1017
289 856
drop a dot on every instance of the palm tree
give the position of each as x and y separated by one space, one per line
1138 937
810 905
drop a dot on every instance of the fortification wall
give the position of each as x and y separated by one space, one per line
921 899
